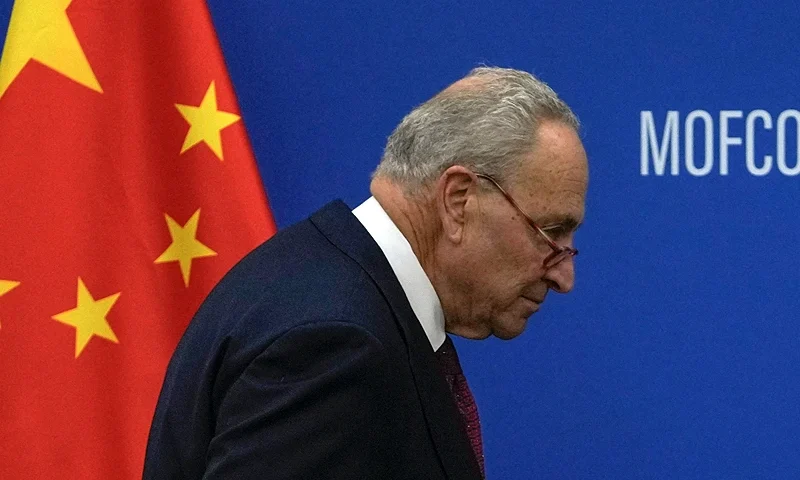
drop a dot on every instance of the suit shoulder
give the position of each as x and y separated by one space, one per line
297 277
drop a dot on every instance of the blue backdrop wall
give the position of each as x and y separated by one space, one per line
676 356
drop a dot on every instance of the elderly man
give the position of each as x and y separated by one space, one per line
324 354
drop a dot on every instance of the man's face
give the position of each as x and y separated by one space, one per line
507 281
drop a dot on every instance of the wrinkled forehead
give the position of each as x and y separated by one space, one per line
553 180
562 199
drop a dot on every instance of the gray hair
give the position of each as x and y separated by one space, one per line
486 125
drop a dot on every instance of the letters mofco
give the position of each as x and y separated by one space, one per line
716 136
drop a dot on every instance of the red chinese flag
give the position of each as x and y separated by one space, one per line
127 189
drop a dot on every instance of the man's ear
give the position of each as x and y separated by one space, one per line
454 189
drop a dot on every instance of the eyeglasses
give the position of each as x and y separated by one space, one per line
560 253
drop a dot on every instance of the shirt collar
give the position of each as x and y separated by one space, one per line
415 283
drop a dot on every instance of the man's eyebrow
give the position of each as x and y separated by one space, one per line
568 223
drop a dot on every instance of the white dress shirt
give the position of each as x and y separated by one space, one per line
416 284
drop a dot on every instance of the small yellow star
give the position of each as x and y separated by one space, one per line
40 30
89 318
6 286
206 122
185 247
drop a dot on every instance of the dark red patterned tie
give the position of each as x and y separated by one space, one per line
451 367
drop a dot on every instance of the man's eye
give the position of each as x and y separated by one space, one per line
556 232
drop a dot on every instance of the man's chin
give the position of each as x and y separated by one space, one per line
475 332
506 330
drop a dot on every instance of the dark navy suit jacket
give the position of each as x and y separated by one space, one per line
307 362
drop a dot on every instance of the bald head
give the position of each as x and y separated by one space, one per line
470 82
486 121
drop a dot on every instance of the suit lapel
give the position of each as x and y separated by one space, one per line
337 223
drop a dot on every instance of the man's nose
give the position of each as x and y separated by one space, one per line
561 277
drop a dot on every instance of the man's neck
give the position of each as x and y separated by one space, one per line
415 220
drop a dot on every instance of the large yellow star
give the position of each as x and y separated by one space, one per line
205 122
40 30
89 318
185 247
6 286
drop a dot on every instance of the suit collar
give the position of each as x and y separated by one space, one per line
343 230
